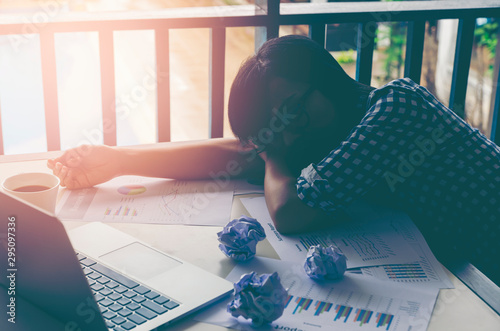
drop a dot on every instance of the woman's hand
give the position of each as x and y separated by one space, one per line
86 166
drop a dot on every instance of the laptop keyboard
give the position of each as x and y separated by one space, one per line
124 303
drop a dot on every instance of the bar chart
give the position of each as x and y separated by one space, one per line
354 302
363 244
127 207
338 314
137 199
122 210
363 316
302 304
424 271
343 312
322 307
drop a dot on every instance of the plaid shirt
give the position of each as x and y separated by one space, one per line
442 171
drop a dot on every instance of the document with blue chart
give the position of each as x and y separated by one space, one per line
352 303
426 271
364 244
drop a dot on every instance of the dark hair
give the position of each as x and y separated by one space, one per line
295 58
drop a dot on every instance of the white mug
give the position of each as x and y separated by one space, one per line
38 188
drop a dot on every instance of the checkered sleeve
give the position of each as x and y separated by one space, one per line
371 149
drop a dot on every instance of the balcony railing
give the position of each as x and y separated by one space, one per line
267 16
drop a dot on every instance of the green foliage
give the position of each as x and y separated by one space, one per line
487 36
345 57
393 61
393 53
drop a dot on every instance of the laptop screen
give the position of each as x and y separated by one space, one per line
43 268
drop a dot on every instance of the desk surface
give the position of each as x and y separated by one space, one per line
455 309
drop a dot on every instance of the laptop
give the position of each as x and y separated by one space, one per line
98 278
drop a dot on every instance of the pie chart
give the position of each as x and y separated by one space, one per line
131 189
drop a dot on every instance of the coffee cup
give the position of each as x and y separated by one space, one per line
38 188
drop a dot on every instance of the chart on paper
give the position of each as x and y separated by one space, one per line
342 315
149 200
173 202
424 271
352 303
357 242
362 244
348 304
349 309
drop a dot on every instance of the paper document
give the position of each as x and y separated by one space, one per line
242 186
426 271
363 244
149 200
352 303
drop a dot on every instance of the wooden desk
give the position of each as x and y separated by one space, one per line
456 309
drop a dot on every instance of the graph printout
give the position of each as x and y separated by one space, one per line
363 244
425 271
353 303
150 200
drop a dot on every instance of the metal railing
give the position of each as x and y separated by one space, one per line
267 16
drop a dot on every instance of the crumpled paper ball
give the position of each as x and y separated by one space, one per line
325 262
239 238
260 298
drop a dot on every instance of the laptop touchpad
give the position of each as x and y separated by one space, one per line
139 261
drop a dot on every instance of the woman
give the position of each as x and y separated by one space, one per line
325 140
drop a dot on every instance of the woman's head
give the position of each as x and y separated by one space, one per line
289 70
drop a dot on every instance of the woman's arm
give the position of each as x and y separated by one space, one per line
288 212
222 159
205 159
